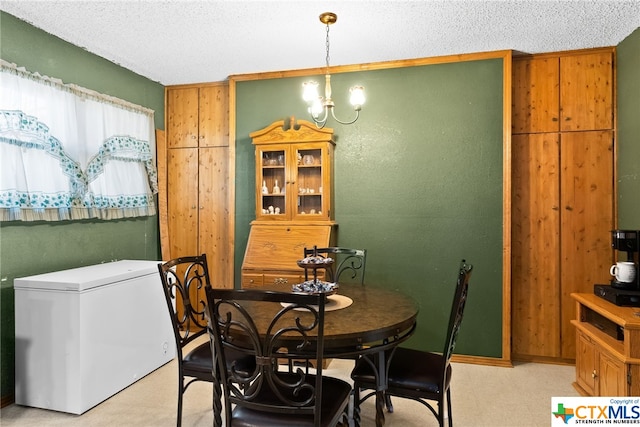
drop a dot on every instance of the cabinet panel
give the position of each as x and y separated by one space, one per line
213 116
213 226
586 91
278 247
586 218
182 117
251 281
535 240
182 209
611 376
536 95
586 364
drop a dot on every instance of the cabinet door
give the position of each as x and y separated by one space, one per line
182 117
612 378
213 215
312 181
586 91
273 165
535 240
586 372
536 95
182 208
586 219
213 116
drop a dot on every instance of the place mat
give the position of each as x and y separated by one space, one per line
334 302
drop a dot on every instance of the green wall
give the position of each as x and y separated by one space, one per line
628 138
418 183
33 248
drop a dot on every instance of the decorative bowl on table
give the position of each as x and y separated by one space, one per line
312 262
316 286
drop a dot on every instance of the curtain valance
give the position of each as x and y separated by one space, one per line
71 153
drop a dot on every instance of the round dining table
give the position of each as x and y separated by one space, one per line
360 321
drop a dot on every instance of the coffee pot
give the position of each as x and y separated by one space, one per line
625 271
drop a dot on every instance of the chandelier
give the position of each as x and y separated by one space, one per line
319 106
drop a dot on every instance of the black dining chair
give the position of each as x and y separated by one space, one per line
420 375
288 326
184 281
349 264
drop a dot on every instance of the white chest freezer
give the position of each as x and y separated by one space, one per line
84 334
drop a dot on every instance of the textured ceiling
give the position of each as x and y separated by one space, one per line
183 41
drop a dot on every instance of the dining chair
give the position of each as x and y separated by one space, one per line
420 375
349 264
184 280
275 327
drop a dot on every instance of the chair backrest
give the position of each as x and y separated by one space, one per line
275 327
349 265
457 309
183 281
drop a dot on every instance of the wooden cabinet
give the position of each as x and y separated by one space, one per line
607 347
562 195
197 186
294 184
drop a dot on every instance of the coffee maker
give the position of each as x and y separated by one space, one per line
624 293
627 241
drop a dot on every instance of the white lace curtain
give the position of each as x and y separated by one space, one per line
70 153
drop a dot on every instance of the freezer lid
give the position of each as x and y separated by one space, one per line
83 278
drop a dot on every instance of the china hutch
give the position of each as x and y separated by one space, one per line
294 186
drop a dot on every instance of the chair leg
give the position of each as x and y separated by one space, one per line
180 392
387 401
217 404
449 407
356 406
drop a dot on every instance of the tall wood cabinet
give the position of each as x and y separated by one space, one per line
562 194
294 186
198 200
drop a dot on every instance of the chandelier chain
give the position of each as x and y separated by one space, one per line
327 44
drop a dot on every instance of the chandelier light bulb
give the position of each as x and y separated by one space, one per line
356 97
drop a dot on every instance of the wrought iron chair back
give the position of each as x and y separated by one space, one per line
184 281
420 375
272 394
349 265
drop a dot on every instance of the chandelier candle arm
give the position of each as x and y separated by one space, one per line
316 103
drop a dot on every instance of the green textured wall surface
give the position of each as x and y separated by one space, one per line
33 248
628 138
418 183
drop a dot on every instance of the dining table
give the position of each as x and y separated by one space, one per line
361 321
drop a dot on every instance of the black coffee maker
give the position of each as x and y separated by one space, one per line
627 241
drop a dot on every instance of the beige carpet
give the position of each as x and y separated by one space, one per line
481 396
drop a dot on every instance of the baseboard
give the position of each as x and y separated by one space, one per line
480 360
7 400
542 359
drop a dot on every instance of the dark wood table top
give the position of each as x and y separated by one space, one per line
376 314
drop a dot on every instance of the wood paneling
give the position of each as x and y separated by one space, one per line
535 239
536 96
586 219
586 91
